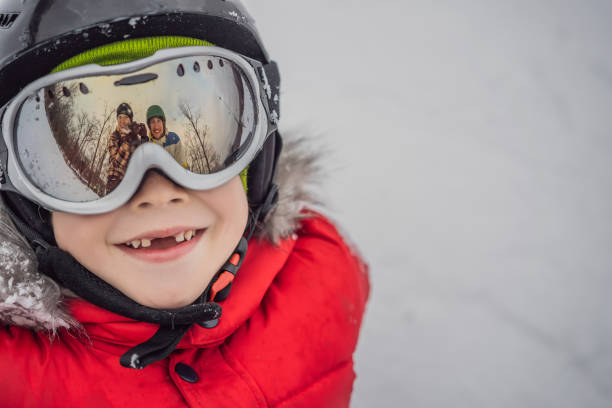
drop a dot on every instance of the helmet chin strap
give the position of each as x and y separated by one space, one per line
173 323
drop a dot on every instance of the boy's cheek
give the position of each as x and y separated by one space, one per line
76 233
61 226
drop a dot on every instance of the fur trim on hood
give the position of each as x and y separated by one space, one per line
33 300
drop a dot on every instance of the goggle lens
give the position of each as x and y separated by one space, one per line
75 138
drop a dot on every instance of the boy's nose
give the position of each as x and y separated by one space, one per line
156 190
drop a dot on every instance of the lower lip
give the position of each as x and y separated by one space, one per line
163 255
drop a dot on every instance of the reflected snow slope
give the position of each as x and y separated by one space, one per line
39 150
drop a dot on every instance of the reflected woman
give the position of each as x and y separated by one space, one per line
158 134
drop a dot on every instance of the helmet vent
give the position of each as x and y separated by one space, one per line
7 20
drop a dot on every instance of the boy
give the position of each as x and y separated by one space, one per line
148 295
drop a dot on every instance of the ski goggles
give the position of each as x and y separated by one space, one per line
81 140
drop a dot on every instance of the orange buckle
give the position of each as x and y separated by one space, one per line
224 280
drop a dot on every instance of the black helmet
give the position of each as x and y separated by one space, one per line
125 109
48 32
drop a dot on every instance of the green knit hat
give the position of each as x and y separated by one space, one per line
131 50
128 50
155 111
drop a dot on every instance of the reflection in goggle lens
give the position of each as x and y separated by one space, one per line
75 138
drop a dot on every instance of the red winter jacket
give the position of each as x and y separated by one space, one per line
285 339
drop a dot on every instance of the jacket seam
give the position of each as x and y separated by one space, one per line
243 373
305 389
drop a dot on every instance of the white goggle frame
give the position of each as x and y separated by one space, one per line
147 156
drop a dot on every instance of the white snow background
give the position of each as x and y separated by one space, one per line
472 166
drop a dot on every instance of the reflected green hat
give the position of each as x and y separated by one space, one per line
155 111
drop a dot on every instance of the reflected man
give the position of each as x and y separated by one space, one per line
156 120
123 141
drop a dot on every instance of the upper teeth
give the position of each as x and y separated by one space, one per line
146 242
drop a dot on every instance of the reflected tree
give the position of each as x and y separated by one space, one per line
79 135
202 155
101 132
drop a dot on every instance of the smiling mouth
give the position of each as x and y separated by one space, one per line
163 243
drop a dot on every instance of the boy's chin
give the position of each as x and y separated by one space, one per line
168 305
166 300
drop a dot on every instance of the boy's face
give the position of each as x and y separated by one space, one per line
157 127
124 121
165 274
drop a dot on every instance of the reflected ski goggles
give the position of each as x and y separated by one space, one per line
81 140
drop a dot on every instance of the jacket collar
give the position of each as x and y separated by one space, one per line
115 333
